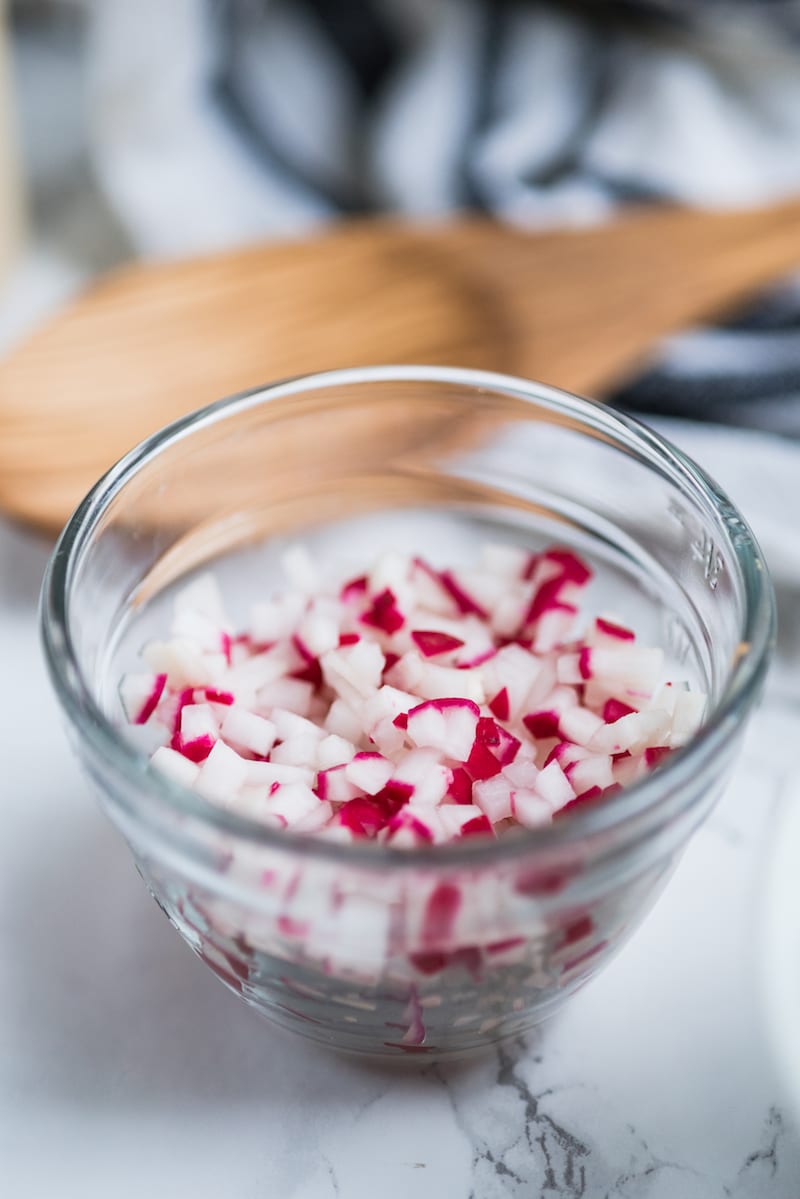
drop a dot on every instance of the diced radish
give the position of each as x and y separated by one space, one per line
318 632
480 826
277 618
293 802
655 755
386 702
354 589
454 817
198 720
184 664
460 788
592 771
499 705
266 774
289 725
422 770
413 705
521 775
140 694
196 750
607 631
343 721
180 769
354 671
554 786
513 670
428 590
405 673
579 725
505 618
689 711
369 772
384 614
614 709
566 753
221 775
334 751
554 627
297 751
365 817
445 724
391 572
203 632
388 736
465 602
413 825
334 785
247 731
443 682
530 809
632 732
493 797
632 667
315 819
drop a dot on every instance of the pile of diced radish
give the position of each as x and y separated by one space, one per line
411 704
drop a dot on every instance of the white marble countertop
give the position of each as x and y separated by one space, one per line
126 1069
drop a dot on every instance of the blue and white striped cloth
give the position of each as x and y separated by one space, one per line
215 123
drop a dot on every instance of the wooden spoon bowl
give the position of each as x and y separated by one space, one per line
576 308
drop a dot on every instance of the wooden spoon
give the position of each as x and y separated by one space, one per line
577 308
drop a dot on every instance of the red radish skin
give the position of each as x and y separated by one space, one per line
151 703
431 644
614 630
464 602
384 613
615 709
654 755
499 705
460 789
541 724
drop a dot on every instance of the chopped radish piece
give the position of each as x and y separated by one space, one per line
688 713
554 786
431 643
369 772
175 766
140 694
334 751
493 797
530 809
293 802
334 785
422 770
445 724
297 751
343 721
246 730
384 613
222 774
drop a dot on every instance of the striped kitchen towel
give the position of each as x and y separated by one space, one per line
269 117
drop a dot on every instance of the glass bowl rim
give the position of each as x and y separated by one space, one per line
743 685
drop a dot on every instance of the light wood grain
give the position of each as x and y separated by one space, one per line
577 308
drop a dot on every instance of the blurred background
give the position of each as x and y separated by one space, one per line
173 127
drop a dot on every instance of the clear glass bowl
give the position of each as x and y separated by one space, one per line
329 940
